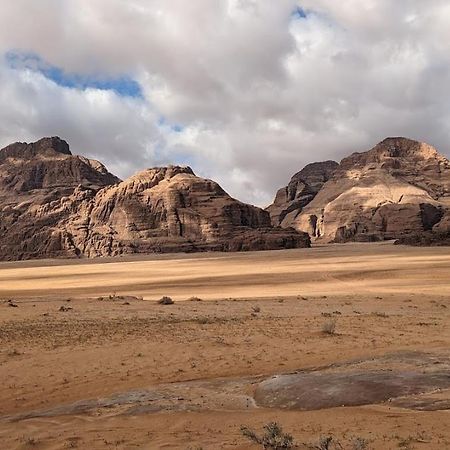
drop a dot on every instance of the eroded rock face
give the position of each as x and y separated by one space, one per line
54 204
48 164
300 191
397 188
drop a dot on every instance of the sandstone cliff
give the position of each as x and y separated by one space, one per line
300 191
55 204
397 188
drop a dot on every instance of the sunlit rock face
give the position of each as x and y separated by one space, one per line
397 188
55 204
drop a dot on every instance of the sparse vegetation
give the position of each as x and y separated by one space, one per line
165 301
380 314
115 298
273 438
203 320
360 443
329 327
31 441
325 443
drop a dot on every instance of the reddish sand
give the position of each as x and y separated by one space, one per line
261 314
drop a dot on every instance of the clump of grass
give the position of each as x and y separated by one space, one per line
360 443
165 301
207 320
380 314
273 438
31 441
329 327
325 443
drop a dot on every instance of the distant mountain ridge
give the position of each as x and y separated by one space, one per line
398 188
55 204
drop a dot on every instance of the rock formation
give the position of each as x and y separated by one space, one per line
300 191
55 204
426 239
398 188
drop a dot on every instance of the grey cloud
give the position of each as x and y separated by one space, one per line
257 93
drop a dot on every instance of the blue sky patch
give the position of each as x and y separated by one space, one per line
122 85
299 13
163 122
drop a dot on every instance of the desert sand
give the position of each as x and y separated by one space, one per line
90 360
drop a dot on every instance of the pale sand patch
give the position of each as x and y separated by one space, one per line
371 268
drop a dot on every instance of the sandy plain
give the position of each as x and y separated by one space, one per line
125 372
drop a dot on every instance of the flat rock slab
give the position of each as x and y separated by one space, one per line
414 380
313 391
203 395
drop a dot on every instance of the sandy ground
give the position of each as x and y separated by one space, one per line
75 378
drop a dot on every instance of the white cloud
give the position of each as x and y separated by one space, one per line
257 94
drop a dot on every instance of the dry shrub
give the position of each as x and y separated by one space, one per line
329 327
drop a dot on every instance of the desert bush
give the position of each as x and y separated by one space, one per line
325 442
31 441
65 308
329 327
165 301
203 320
273 437
360 443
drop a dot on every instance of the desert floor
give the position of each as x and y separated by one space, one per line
90 360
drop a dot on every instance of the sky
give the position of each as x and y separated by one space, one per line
246 92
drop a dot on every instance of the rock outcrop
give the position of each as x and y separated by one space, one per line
300 191
398 188
426 239
55 204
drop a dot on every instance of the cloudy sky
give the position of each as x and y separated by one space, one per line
245 91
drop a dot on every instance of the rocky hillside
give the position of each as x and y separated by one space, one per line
398 188
55 204
300 191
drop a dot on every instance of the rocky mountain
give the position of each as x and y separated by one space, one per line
300 191
48 165
398 188
55 204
